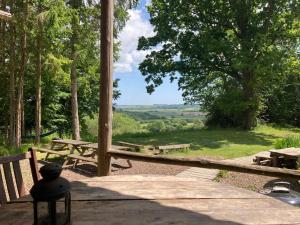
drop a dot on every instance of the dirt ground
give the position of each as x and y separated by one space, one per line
255 182
120 167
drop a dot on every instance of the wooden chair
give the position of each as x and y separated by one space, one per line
11 168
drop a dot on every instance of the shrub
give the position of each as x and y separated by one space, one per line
122 124
288 142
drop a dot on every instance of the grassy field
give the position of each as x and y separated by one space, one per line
137 124
219 143
163 124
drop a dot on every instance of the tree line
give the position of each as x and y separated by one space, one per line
238 59
49 60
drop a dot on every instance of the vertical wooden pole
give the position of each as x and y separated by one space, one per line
106 87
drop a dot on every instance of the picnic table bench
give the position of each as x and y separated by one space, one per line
87 151
94 148
166 148
288 157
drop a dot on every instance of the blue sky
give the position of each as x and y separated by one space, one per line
132 84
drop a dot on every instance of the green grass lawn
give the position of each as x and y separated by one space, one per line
222 143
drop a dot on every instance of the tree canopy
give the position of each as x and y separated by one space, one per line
225 54
38 43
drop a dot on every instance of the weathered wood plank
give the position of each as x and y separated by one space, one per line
70 142
162 212
8 159
206 163
34 166
3 198
9 181
172 200
132 145
172 147
61 153
82 158
19 179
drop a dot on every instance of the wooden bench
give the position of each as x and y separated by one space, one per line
81 158
263 160
49 151
131 145
166 148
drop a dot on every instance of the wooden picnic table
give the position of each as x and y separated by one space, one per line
94 148
69 145
161 200
290 155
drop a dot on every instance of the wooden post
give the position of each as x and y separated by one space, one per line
106 88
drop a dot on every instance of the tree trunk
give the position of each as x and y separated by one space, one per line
12 88
74 100
250 99
20 96
38 108
106 88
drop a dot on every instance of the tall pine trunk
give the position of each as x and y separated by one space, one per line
74 99
20 96
12 87
38 107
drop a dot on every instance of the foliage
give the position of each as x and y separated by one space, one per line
55 34
225 54
219 143
287 142
122 124
220 175
282 105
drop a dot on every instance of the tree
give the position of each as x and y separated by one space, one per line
36 63
223 53
75 5
38 87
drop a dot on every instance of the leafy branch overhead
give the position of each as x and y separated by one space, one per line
224 54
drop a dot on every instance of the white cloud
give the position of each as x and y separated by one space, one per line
136 27
148 2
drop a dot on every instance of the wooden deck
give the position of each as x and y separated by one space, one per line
162 200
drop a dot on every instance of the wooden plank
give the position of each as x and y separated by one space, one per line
8 159
132 145
106 87
206 163
121 202
170 147
61 153
9 181
167 212
19 179
71 142
34 166
82 158
3 198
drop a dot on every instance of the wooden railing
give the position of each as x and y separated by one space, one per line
206 163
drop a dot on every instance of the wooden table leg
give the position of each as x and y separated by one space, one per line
274 161
67 159
129 163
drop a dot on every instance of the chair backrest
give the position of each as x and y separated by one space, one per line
12 182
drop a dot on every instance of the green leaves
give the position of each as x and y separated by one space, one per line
214 47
